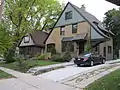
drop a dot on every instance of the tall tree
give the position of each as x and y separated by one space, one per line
112 22
24 16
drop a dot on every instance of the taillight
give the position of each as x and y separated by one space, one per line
85 59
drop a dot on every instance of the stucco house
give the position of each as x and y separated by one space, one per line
74 27
33 43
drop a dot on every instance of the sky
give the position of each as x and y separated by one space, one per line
95 7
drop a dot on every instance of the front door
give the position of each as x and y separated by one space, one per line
81 47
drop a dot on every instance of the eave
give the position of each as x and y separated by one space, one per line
117 2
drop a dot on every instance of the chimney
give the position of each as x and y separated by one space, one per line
83 7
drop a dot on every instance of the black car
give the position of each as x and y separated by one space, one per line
89 59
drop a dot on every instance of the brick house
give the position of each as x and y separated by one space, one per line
72 30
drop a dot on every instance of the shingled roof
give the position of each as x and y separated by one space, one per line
39 37
93 21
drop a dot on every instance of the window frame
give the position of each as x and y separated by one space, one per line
74 30
27 40
68 15
62 32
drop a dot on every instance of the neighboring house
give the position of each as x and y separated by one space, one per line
33 43
117 2
72 30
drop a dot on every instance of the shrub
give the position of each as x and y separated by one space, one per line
53 50
21 63
40 57
65 57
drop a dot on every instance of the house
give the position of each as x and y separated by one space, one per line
74 27
33 43
117 2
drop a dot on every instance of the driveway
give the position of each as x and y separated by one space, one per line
69 71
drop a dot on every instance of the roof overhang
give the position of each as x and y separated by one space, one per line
117 2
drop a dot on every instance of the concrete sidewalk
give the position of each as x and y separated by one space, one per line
29 82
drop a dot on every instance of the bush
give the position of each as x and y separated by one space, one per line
40 57
10 57
65 57
21 63
53 51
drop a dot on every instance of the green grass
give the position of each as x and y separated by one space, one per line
27 65
4 75
109 82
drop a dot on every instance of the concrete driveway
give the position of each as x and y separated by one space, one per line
69 71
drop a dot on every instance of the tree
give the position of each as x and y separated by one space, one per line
112 22
5 39
24 16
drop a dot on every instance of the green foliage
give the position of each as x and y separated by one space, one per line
65 57
109 82
5 39
112 22
88 46
27 64
53 50
4 75
40 57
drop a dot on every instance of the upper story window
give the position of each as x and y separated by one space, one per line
26 39
62 30
68 15
74 28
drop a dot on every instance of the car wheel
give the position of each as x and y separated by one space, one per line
103 61
91 63
78 65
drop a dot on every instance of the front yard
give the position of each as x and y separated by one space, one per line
23 67
4 75
109 82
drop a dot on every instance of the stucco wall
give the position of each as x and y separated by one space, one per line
27 44
56 38
109 56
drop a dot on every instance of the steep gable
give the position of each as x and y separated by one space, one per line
29 43
75 17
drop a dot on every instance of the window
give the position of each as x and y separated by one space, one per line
109 49
74 28
68 15
26 39
50 47
62 30
67 46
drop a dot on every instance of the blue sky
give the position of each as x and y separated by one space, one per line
95 7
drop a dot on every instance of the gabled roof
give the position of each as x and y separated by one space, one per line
38 38
92 20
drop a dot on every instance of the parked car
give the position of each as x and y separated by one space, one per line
89 59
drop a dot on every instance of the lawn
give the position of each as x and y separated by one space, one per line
109 82
4 75
27 64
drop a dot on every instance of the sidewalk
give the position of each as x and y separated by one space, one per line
29 82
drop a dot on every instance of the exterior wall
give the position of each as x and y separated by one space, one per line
31 50
56 38
109 56
27 44
75 17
